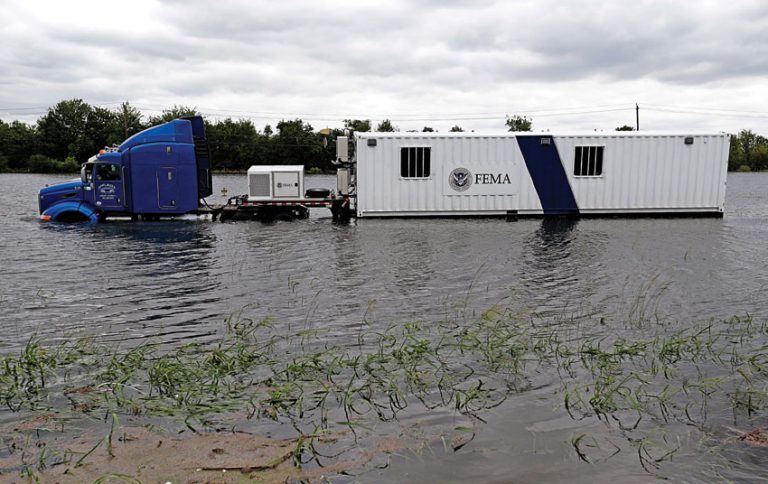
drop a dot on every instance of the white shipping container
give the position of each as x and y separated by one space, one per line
433 174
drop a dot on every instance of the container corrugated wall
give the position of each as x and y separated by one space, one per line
640 173
651 173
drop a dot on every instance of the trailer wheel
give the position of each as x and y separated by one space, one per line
285 216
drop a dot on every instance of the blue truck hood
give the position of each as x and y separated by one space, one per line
53 193
68 186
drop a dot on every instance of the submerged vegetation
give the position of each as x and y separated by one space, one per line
640 381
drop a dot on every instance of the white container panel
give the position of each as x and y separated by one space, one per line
650 173
379 167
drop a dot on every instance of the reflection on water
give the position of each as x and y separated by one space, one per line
123 281
177 280
560 267
174 282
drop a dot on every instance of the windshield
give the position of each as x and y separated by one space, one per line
107 172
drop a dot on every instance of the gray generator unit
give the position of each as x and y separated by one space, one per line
275 182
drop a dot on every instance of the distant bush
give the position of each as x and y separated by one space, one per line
315 170
70 165
744 168
43 164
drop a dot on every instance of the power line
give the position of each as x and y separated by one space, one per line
45 108
398 116
426 117
709 112
697 109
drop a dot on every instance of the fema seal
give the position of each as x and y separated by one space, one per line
460 179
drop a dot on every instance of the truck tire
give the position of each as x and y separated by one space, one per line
72 217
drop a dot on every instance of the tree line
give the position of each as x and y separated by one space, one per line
72 131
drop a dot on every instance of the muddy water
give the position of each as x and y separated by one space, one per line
173 282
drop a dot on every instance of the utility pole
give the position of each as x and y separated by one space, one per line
637 117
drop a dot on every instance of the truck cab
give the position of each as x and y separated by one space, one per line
162 171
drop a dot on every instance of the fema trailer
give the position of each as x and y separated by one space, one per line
165 171
521 173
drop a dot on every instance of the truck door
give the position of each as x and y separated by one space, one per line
167 188
108 186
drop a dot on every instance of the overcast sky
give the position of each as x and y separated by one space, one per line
582 64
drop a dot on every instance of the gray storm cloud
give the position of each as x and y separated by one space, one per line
432 57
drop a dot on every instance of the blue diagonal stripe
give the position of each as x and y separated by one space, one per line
548 174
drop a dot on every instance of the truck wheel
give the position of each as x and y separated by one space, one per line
72 217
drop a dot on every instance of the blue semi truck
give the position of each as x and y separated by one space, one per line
165 171
162 171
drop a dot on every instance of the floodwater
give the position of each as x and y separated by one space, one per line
175 281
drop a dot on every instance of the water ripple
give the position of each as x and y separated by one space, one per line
175 282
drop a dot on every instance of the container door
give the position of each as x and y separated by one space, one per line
108 186
286 185
167 188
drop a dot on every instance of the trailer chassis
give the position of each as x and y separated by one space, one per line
241 208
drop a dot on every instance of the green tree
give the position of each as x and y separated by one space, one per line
358 124
745 151
735 155
127 122
297 144
519 123
233 144
427 129
5 135
760 156
626 127
63 131
175 112
43 164
457 129
74 128
386 127
17 142
100 129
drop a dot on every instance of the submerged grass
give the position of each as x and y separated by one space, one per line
637 382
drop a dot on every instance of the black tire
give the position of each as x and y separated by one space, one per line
71 217
317 193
